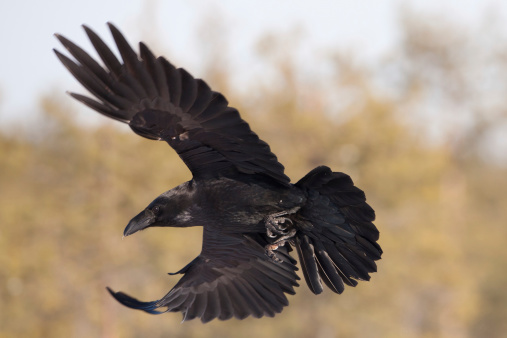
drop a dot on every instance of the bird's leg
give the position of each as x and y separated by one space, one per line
270 248
274 222
278 225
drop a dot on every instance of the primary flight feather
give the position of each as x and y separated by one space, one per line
251 214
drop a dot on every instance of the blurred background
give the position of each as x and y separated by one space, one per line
408 97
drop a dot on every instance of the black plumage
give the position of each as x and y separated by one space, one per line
251 214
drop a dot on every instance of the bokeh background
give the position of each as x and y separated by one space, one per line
408 97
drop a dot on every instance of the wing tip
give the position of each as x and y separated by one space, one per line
114 30
133 303
88 30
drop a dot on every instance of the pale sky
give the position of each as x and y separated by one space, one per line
28 67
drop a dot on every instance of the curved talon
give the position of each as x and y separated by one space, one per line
270 233
280 233
282 229
288 220
274 224
270 252
270 248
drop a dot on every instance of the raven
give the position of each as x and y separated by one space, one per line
251 214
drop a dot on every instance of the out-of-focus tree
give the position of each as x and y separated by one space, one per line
67 191
456 78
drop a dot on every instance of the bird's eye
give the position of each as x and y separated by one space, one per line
155 209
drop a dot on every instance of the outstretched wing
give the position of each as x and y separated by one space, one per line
162 102
231 277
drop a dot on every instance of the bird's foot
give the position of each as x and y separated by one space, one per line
277 225
280 228
270 248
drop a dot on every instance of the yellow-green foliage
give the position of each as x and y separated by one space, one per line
67 191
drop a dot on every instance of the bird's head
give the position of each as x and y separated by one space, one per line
171 209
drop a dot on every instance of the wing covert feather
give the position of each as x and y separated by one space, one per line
243 283
162 102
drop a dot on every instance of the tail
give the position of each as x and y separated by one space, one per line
336 241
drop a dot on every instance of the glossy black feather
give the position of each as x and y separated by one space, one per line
328 268
309 265
237 282
341 233
140 86
237 186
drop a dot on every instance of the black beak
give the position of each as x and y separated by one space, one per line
140 222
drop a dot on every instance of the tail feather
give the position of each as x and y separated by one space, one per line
358 264
372 249
328 269
369 263
345 270
336 241
306 255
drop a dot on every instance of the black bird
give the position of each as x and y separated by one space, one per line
251 214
